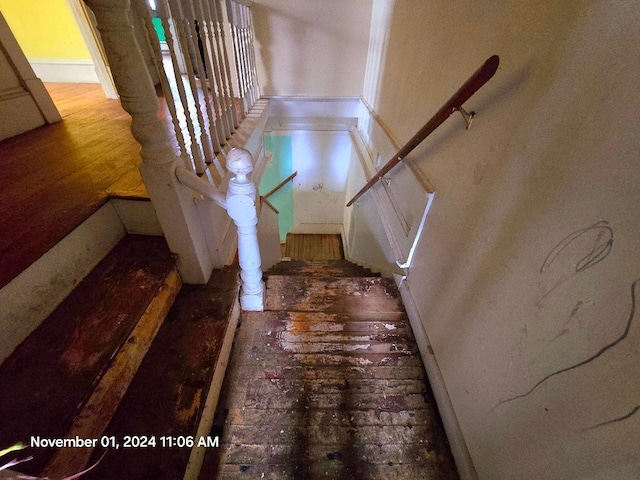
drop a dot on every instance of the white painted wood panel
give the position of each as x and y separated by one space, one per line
24 102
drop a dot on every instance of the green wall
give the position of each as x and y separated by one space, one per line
278 168
157 25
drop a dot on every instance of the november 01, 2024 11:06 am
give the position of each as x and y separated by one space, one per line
127 441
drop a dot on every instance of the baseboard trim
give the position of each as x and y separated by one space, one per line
65 71
461 455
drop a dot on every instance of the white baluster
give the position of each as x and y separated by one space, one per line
252 59
241 207
212 69
173 202
231 109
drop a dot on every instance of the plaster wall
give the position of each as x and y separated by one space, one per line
51 39
321 160
313 202
306 47
45 29
526 277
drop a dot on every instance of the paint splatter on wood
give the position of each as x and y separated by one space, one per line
328 384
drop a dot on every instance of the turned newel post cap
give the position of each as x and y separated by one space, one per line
239 161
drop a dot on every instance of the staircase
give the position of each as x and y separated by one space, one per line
130 353
327 383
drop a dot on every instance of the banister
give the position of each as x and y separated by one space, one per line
197 184
280 185
471 86
264 201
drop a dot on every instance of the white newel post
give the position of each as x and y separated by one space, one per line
241 207
173 202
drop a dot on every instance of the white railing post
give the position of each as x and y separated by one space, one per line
241 207
173 202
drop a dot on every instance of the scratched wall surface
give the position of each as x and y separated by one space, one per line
321 160
313 201
527 277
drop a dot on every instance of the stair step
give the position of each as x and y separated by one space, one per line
53 374
301 246
333 466
332 295
323 333
320 268
168 394
328 382
327 324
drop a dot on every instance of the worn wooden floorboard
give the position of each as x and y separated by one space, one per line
330 268
97 412
168 393
54 371
285 417
56 176
314 246
328 384
334 468
370 294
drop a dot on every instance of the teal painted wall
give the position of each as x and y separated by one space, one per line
278 168
157 25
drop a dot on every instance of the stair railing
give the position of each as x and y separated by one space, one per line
169 182
241 22
241 207
172 201
280 185
471 86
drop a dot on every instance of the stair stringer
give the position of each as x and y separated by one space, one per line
205 424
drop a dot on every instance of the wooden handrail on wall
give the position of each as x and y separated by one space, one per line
264 201
280 185
471 86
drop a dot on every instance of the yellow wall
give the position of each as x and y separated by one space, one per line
45 29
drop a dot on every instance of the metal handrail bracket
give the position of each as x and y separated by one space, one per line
471 86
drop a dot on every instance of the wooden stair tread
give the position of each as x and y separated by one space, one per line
359 294
54 371
332 467
327 382
313 246
320 268
169 391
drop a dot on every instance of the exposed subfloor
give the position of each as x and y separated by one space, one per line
52 375
328 383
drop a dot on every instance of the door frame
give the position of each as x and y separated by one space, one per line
92 39
30 84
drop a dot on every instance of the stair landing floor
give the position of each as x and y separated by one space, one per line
305 246
328 383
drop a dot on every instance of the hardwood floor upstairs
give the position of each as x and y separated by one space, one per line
56 176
